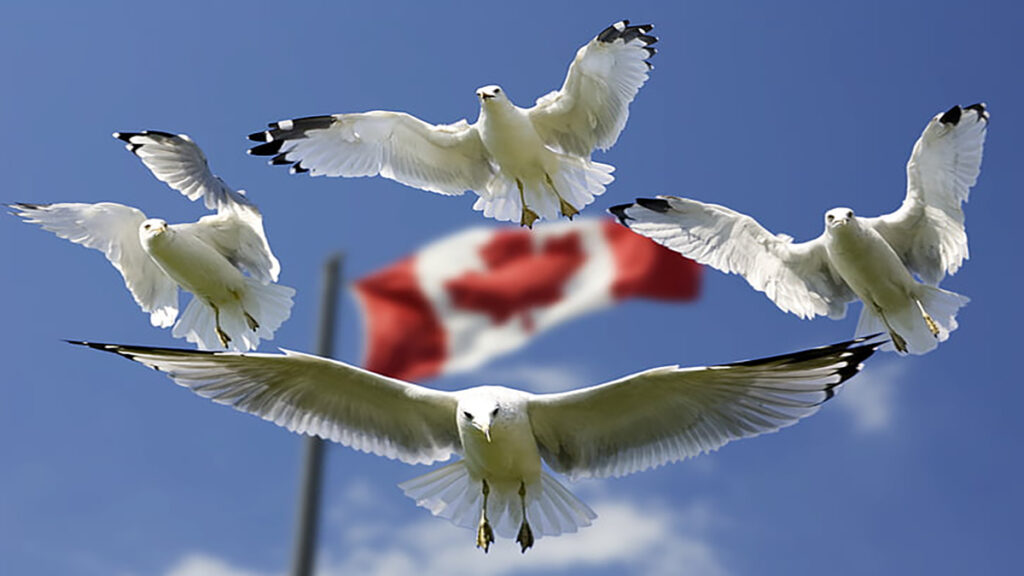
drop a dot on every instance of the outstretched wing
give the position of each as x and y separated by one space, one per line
592 106
669 414
178 162
797 277
237 233
316 396
447 159
927 230
114 230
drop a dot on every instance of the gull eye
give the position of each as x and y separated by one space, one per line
497 90
494 412
467 415
830 218
849 213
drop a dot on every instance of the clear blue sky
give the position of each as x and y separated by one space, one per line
781 110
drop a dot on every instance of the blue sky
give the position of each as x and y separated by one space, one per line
781 112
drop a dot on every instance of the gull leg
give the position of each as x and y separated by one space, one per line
568 210
221 334
525 537
932 325
484 533
897 340
528 216
253 324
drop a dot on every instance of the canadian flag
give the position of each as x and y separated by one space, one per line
482 292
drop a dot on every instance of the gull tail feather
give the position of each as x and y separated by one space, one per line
449 492
941 305
269 305
577 180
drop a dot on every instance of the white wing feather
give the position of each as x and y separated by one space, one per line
316 396
591 108
178 162
669 414
447 159
797 277
237 233
927 231
114 230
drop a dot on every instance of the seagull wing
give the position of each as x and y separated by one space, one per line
797 277
178 162
237 233
114 230
669 414
447 159
316 396
927 230
592 106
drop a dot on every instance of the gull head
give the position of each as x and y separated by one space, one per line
485 409
152 228
491 94
837 218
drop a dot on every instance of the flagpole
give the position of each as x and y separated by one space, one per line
307 518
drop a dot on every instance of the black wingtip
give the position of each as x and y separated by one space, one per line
656 204
952 116
620 213
260 136
980 108
272 148
622 30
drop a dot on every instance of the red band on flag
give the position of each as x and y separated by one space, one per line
403 336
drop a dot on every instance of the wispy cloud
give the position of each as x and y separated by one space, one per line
871 398
199 564
643 538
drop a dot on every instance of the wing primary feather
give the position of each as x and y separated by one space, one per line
619 212
952 116
657 204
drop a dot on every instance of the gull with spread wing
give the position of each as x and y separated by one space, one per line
639 422
207 258
872 259
523 163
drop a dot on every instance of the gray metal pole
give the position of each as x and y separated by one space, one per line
307 520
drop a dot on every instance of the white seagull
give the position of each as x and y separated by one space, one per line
207 258
503 435
523 163
867 258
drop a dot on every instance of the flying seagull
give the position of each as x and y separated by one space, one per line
632 424
523 163
872 259
207 258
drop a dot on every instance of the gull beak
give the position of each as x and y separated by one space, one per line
486 429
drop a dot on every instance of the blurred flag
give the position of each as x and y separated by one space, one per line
482 292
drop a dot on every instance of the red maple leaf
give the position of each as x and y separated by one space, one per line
519 277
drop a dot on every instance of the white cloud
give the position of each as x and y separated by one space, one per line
648 538
199 564
870 398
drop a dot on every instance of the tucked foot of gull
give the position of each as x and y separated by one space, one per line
484 533
528 216
933 326
250 321
567 210
525 536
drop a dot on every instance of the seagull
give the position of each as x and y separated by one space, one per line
503 435
871 259
207 258
523 163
